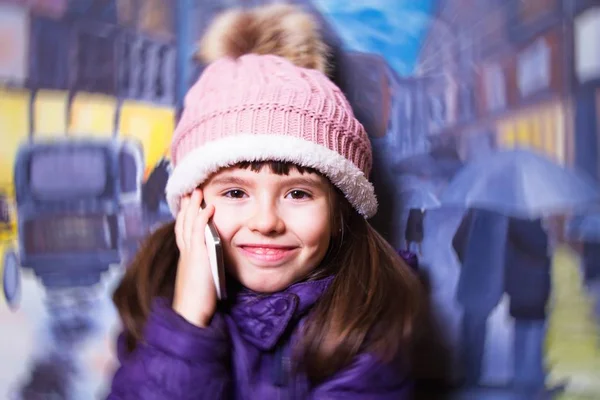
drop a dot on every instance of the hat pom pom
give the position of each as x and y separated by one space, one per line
278 29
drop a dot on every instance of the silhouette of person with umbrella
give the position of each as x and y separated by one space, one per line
528 285
480 245
503 248
500 254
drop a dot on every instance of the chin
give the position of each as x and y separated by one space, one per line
272 282
265 286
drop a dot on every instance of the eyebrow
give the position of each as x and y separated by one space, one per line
303 181
235 180
230 180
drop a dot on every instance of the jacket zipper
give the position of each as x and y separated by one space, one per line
286 365
282 370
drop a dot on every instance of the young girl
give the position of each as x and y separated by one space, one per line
318 305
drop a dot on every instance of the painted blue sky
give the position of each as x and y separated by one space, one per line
391 28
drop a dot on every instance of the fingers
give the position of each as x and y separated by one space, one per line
194 278
200 222
191 220
179 222
190 215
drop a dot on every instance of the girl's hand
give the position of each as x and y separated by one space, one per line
195 297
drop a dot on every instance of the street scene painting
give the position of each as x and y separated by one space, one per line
483 116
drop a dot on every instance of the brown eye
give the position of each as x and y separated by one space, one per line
235 194
299 195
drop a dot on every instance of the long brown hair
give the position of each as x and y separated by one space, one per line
371 305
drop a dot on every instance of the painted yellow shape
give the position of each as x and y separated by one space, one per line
523 133
536 133
573 340
507 136
541 129
152 125
14 129
92 115
549 135
50 113
560 133
552 128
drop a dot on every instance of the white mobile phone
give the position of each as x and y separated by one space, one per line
215 256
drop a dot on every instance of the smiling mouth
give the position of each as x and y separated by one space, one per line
267 253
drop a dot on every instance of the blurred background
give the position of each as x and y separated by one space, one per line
483 116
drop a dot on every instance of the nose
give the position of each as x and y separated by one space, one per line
266 219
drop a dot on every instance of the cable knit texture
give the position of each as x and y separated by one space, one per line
269 97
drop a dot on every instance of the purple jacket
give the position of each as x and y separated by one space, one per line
243 354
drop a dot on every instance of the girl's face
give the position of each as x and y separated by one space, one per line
275 229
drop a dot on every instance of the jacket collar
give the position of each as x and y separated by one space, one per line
263 319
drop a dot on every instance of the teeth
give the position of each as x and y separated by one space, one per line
263 250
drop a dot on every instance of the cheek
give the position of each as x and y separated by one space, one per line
224 223
314 229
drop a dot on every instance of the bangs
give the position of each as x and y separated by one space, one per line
276 167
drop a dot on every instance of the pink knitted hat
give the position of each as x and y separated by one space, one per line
264 108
